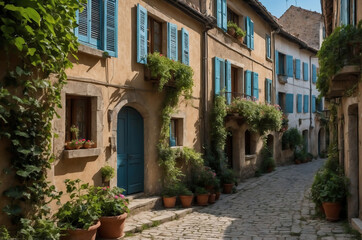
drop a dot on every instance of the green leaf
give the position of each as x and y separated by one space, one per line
31 51
29 29
21 134
33 14
12 7
12 210
16 192
19 42
7 30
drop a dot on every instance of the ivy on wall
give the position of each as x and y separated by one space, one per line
37 38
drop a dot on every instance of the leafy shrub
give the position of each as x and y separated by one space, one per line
171 190
292 138
112 201
200 190
183 190
107 173
227 176
41 229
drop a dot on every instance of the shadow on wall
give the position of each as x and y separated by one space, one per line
65 166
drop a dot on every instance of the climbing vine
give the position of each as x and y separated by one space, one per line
37 38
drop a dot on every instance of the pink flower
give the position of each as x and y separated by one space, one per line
107 186
121 196
83 139
116 197
104 189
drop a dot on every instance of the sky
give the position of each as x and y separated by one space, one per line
278 7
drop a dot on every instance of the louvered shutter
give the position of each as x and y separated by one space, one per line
248 83
313 104
306 104
172 41
305 71
95 23
314 73
141 34
218 13
247 27
224 15
290 65
82 28
268 47
185 57
256 85
297 68
217 75
228 81
289 103
299 103
110 27
277 62
270 90
251 35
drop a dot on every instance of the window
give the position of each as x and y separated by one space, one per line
249 27
176 132
268 90
78 113
97 25
297 68
232 16
252 84
299 103
306 104
268 46
281 60
234 82
281 100
247 142
305 71
154 35
314 73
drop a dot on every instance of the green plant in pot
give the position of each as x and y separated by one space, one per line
202 196
240 34
169 195
108 173
114 209
186 196
80 215
228 180
231 26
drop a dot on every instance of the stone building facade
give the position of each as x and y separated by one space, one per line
349 107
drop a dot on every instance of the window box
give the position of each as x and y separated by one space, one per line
81 153
150 78
283 79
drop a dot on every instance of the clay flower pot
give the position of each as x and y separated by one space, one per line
332 210
228 187
89 234
169 202
112 226
231 31
212 198
186 201
217 196
202 199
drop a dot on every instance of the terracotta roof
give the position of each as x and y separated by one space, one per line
303 24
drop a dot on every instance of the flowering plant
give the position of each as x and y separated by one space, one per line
112 201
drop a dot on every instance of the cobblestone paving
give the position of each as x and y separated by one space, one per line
274 206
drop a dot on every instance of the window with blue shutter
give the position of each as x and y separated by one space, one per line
249 26
248 83
297 68
172 41
228 81
251 35
305 71
306 104
344 12
277 62
290 66
268 90
97 25
219 75
185 57
224 15
256 85
320 105
314 73
299 103
289 103
313 104
221 14
141 34
268 46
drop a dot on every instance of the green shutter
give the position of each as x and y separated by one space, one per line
217 75
110 27
256 85
185 57
248 83
141 34
224 11
277 62
297 68
218 13
299 103
289 103
228 81
305 71
314 73
290 65
172 41
306 104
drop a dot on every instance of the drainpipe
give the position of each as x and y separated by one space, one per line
310 92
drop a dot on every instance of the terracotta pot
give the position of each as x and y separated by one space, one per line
88 146
217 196
240 39
231 31
228 187
186 201
169 202
202 199
68 146
209 188
212 198
112 226
78 146
297 161
332 210
83 234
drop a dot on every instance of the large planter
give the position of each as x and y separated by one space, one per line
212 197
77 234
202 199
112 226
169 202
332 210
228 187
186 201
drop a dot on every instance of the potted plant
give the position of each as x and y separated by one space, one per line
169 195
75 131
79 217
107 173
114 209
88 144
202 196
231 26
186 196
240 34
228 180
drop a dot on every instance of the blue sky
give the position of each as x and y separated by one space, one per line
278 7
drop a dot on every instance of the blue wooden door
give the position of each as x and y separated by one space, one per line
130 161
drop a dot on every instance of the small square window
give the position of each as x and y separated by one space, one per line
154 33
176 132
282 101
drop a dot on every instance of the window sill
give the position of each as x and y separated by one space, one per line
90 51
82 153
269 59
177 147
236 40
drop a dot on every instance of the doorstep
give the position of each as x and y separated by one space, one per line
357 224
138 205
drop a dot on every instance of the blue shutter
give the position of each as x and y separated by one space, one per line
217 75
268 87
172 139
141 34
248 83
276 62
299 103
320 105
305 71
224 15
256 85
172 41
251 35
228 81
248 36
313 103
83 22
94 26
297 68
306 104
110 27
185 57
289 103
218 13
344 14
268 47
270 90
290 65
314 73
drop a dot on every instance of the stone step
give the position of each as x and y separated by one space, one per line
138 205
